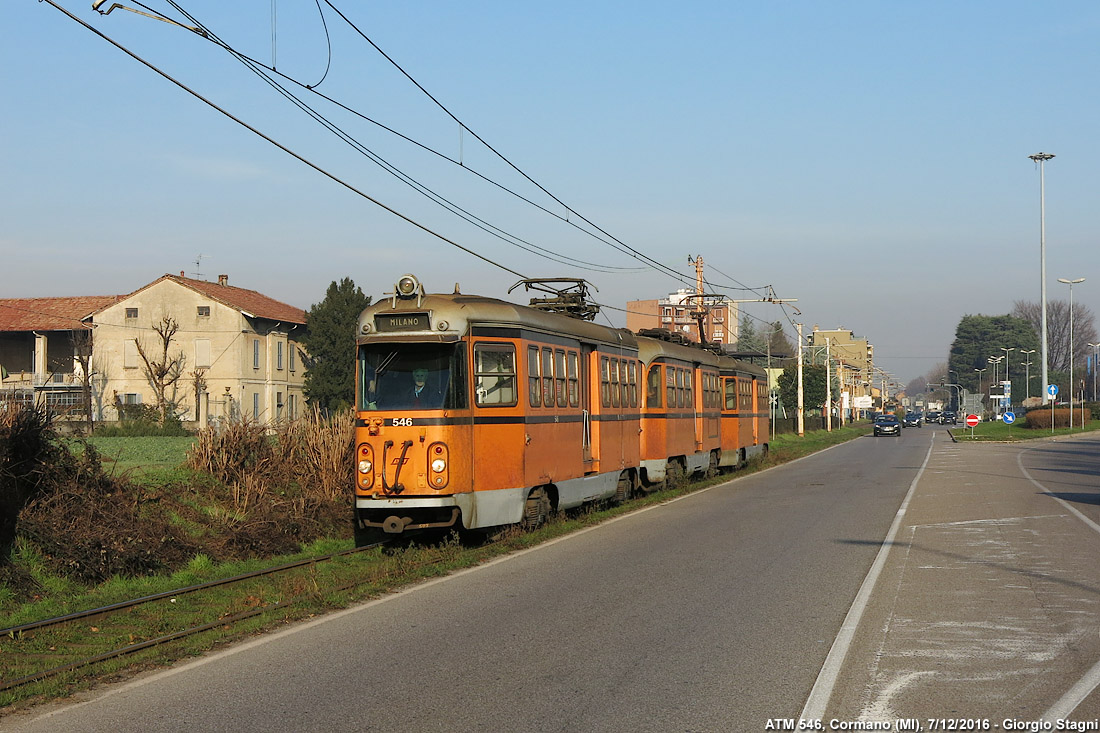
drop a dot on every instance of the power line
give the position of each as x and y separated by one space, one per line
282 147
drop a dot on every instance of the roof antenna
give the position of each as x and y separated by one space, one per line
198 275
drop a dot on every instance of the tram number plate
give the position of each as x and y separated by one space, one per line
402 422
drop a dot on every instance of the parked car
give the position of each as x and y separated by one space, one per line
912 420
947 417
887 425
933 417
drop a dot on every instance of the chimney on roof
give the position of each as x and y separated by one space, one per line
223 279
181 273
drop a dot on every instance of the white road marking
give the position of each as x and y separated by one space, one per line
830 670
1084 687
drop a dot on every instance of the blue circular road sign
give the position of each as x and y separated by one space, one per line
1052 389
1009 418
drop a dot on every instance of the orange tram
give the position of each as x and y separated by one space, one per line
474 412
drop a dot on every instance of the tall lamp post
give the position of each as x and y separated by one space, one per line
1071 283
1027 370
1008 358
1042 158
979 371
1095 354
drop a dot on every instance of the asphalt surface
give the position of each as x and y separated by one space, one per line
986 611
715 612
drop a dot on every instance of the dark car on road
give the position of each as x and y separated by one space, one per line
887 425
912 420
932 418
947 417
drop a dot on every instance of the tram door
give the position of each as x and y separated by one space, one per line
586 405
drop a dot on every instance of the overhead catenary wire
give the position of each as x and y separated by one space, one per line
614 242
260 70
279 145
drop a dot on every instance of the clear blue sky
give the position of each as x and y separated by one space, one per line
866 158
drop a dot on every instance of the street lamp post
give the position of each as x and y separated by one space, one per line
1008 378
1042 158
1095 354
979 371
1071 283
1027 371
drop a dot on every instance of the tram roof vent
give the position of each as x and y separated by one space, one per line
570 299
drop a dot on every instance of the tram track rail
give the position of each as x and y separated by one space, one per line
16 632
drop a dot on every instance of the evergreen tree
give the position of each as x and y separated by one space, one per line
748 339
813 387
330 341
977 338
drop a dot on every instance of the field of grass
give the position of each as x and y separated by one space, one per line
137 456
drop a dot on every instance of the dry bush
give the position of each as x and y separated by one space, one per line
90 533
309 459
320 453
28 450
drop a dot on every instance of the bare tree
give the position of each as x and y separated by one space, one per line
82 352
1084 329
198 381
162 369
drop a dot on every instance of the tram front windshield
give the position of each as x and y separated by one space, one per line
411 377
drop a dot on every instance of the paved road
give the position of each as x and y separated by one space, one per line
712 613
988 606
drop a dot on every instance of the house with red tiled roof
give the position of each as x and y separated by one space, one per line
40 339
237 351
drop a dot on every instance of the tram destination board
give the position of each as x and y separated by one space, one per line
395 322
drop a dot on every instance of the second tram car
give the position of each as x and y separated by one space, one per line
473 412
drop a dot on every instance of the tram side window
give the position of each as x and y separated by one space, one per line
605 381
615 389
731 394
548 377
689 389
653 387
495 374
633 367
670 385
574 380
559 377
534 381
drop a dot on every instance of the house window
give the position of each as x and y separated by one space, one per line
202 353
278 405
255 353
256 405
131 398
291 407
131 313
204 311
293 358
279 355
130 354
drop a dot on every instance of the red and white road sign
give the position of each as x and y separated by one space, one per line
972 420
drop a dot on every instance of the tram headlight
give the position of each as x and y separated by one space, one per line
365 454
438 460
407 286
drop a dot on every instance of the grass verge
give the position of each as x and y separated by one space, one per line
997 431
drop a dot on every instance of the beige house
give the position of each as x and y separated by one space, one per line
853 357
237 350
